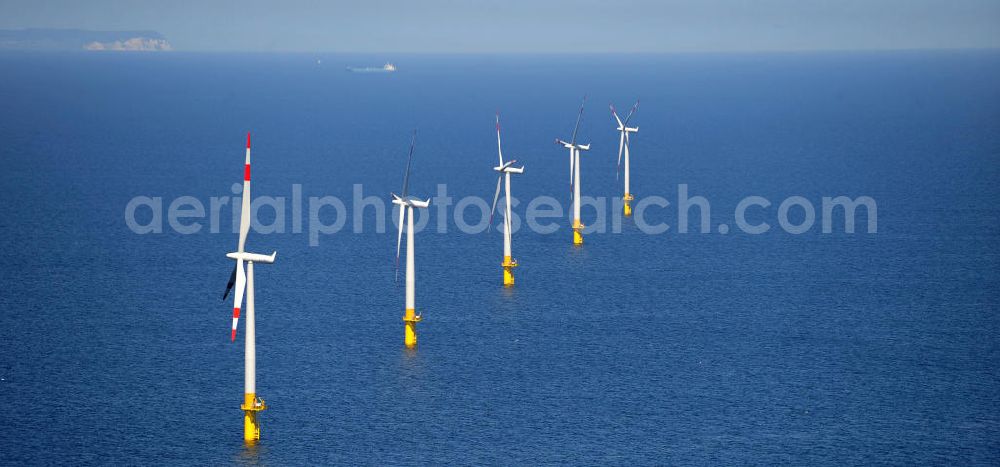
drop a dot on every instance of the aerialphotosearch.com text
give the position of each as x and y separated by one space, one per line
318 216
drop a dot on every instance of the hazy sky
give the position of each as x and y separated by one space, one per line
530 25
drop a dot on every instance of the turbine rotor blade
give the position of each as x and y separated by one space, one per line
499 151
627 143
229 285
241 282
496 196
629 117
621 145
579 116
615 114
409 158
399 238
245 207
571 158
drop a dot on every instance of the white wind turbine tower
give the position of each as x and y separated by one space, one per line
623 143
406 206
574 175
244 279
505 170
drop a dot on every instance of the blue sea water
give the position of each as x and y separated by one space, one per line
678 348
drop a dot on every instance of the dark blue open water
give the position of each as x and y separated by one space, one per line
673 348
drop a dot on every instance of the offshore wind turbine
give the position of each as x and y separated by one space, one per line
623 143
406 207
244 280
505 170
574 175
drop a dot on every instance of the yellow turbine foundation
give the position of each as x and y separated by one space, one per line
628 204
508 270
577 232
411 319
251 426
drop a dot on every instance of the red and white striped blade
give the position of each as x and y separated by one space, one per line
245 208
499 151
241 282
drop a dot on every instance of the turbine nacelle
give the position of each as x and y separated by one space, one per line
628 129
255 257
580 147
508 168
408 201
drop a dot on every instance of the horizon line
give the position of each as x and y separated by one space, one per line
531 53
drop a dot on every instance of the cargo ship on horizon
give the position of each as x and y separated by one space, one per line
387 68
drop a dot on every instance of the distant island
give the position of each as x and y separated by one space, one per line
81 39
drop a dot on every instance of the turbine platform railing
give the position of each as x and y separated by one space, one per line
257 405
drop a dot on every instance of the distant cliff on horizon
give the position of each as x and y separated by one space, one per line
82 39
